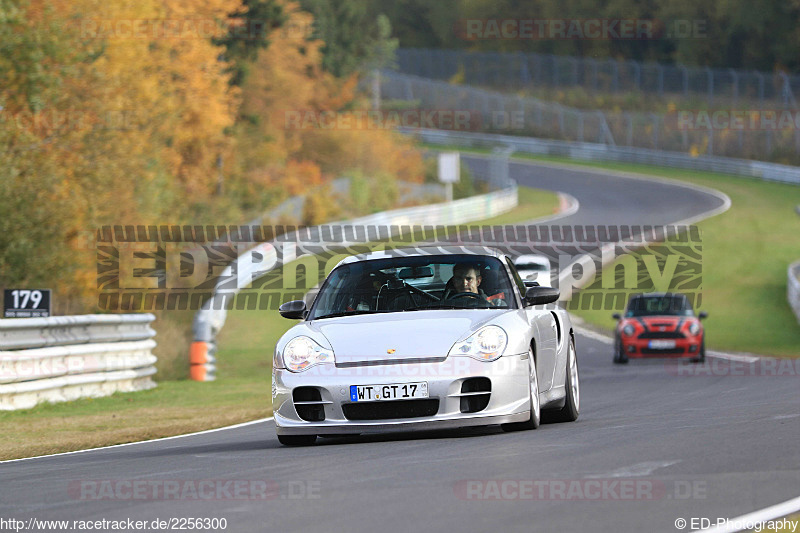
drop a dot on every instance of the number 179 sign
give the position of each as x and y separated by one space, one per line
26 303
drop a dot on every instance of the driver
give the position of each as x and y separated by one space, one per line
467 279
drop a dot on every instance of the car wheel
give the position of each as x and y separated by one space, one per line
701 358
620 357
571 409
533 387
297 440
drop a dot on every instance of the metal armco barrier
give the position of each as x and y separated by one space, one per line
793 289
69 357
600 152
479 110
210 320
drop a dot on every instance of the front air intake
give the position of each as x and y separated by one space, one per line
475 394
308 403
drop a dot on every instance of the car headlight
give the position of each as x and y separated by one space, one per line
301 353
694 328
628 330
486 344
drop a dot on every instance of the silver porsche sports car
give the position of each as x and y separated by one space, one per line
423 338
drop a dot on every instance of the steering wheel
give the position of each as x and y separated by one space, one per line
473 295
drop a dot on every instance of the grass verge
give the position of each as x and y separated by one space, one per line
241 393
746 252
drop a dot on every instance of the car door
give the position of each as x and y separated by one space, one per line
545 331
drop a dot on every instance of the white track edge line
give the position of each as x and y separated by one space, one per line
762 515
160 439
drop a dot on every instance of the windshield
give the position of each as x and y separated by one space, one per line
400 284
659 305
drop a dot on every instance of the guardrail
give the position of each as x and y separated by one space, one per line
601 152
209 320
475 109
513 71
68 357
793 288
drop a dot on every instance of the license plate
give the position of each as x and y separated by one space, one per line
398 391
661 344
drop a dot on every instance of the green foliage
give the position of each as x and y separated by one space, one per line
355 40
754 34
249 32
371 194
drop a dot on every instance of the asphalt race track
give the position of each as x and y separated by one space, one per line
656 441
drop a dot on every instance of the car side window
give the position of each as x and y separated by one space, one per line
517 279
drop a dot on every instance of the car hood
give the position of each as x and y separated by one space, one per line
399 337
667 322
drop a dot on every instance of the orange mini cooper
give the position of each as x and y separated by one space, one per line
659 325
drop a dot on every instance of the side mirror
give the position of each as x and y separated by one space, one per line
702 315
296 309
616 316
541 295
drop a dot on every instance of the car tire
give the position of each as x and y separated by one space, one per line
620 357
297 440
701 358
533 393
571 409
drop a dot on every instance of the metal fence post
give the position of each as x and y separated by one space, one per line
629 138
710 141
555 71
637 75
685 72
524 73
593 63
655 130
710 84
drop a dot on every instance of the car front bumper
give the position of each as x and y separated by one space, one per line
508 399
640 348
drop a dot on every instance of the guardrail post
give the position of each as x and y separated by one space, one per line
202 360
793 287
